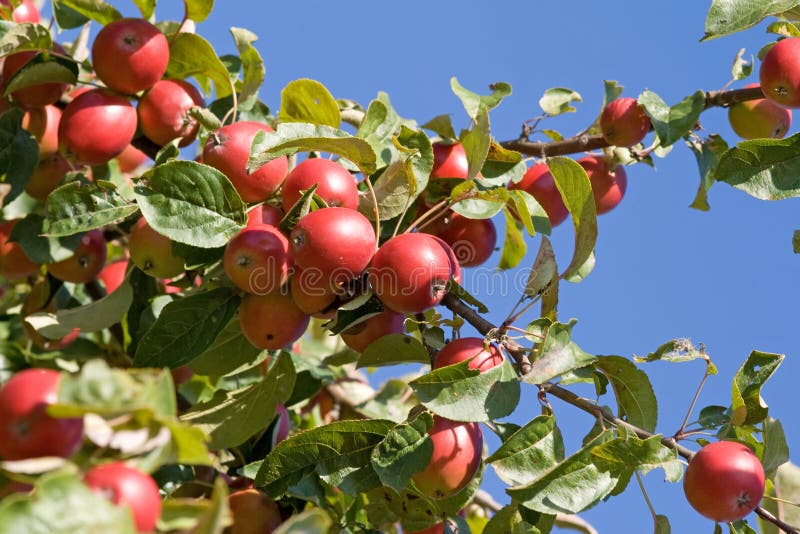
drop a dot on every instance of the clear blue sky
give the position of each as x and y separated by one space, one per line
723 278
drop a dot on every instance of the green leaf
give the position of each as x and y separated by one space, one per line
514 247
533 216
558 100
191 203
707 153
544 271
19 153
339 453
311 521
662 525
628 454
216 516
557 353
231 417
77 207
476 104
747 406
768 169
394 349
252 65
442 125
186 328
636 400
92 317
713 416
43 68
25 36
675 350
796 241
573 183
672 123
502 166
730 16
307 100
146 7
61 502
476 143
776 449
67 18
404 451
461 394
787 486
508 520
39 248
191 55
529 452
229 353
380 125
457 290
741 68
570 487
96 10
296 137
198 10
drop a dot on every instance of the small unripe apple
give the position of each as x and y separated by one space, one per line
624 122
457 449
48 174
152 252
163 112
271 321
361 335
541 185
14 263
780 73
86 263
724 481
608 187
472 240
472 349
449 161
762 118
26 430
253 512
228 149
130 55
335 185
257 259
128 486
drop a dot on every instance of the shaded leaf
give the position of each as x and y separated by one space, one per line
768 169
544 270
707 153
78 207
672 123
96 10
39 248
747 405
404 451
394 349
557 353
636 400
528 452
229 352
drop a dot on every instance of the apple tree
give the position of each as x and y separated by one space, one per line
197 285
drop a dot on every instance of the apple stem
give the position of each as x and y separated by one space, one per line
646 497
682 430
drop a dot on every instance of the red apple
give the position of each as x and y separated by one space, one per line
410 272
96 126
14 263
312 292
624 122
780 73
128 486
335 184
724 481
86 263
361 335
257 259
152 252
130 55
48 174
228 149
449 161
457 449
271 321
283 424
42 123
26 11
113 274
253 512
26 430
472 349
130 159
33 96
264 214
472 240
608 187
539 183
163 112
755 119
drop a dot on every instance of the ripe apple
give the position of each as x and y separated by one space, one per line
283 424
113 274
152 252
271 321
724 481
780 73
472 240
26 11
14 263
539 183
130 55
449 161
410 272
312 292
457 449
455 267
253 512
228 149
42 123
264 214
96 126
128 486
469 348
33 96
257 259
338 242
608 187
624 122
26 430
48 174
754 119
163 112
335 184
361 335
130 159
86 263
